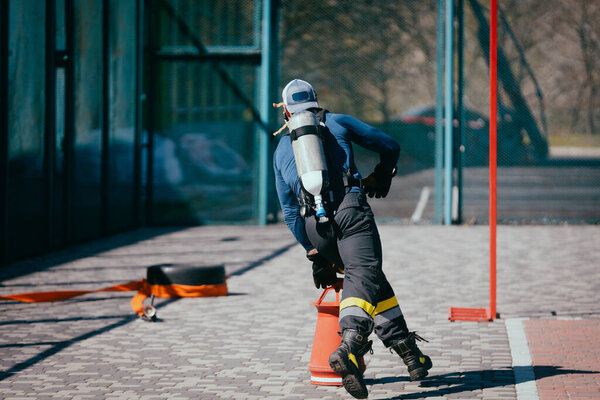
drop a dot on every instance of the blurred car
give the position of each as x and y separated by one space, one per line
415 130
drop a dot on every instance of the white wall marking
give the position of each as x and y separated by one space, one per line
421 205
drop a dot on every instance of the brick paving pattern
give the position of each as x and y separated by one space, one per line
256 342
566 358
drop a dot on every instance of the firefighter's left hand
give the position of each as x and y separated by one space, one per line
378 183
323 275
323 271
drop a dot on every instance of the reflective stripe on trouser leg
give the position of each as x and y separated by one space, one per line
357 308
385 305
353 311
364 305
387 311
390 325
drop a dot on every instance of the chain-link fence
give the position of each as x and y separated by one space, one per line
548 110
104 128
376 60
202 78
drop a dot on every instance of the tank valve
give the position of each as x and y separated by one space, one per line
320 210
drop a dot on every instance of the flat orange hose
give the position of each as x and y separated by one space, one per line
143 288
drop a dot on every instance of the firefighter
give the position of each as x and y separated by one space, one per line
346 236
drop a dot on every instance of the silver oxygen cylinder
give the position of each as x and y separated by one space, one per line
310 157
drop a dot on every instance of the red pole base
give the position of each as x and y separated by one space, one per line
470 314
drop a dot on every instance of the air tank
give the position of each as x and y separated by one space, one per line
310 157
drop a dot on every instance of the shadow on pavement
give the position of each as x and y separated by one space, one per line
387 379
78 251
38 264
263 260
457 382
61 345
57 347
54 320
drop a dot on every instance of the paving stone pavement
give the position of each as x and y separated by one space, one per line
256 342
565 343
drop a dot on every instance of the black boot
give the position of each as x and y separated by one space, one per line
418 364
345 361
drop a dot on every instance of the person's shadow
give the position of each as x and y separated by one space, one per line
457 382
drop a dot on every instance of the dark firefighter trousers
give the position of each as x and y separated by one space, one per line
368 301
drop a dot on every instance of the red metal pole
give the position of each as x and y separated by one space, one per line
493 150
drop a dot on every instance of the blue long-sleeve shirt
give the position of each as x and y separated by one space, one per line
344 130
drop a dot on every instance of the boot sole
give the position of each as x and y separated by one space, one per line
351 376
419 373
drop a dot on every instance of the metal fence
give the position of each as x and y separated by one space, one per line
204 85
119 113
376 60
548 110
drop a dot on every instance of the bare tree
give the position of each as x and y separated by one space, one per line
374 57
588 32
579 22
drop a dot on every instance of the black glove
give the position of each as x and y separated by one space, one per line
323 271
378 183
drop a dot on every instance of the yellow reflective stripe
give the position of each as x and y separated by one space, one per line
353 359
355 301
386 305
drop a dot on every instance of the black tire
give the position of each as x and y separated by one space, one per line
182 274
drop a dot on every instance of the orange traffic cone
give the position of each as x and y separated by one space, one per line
326 340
